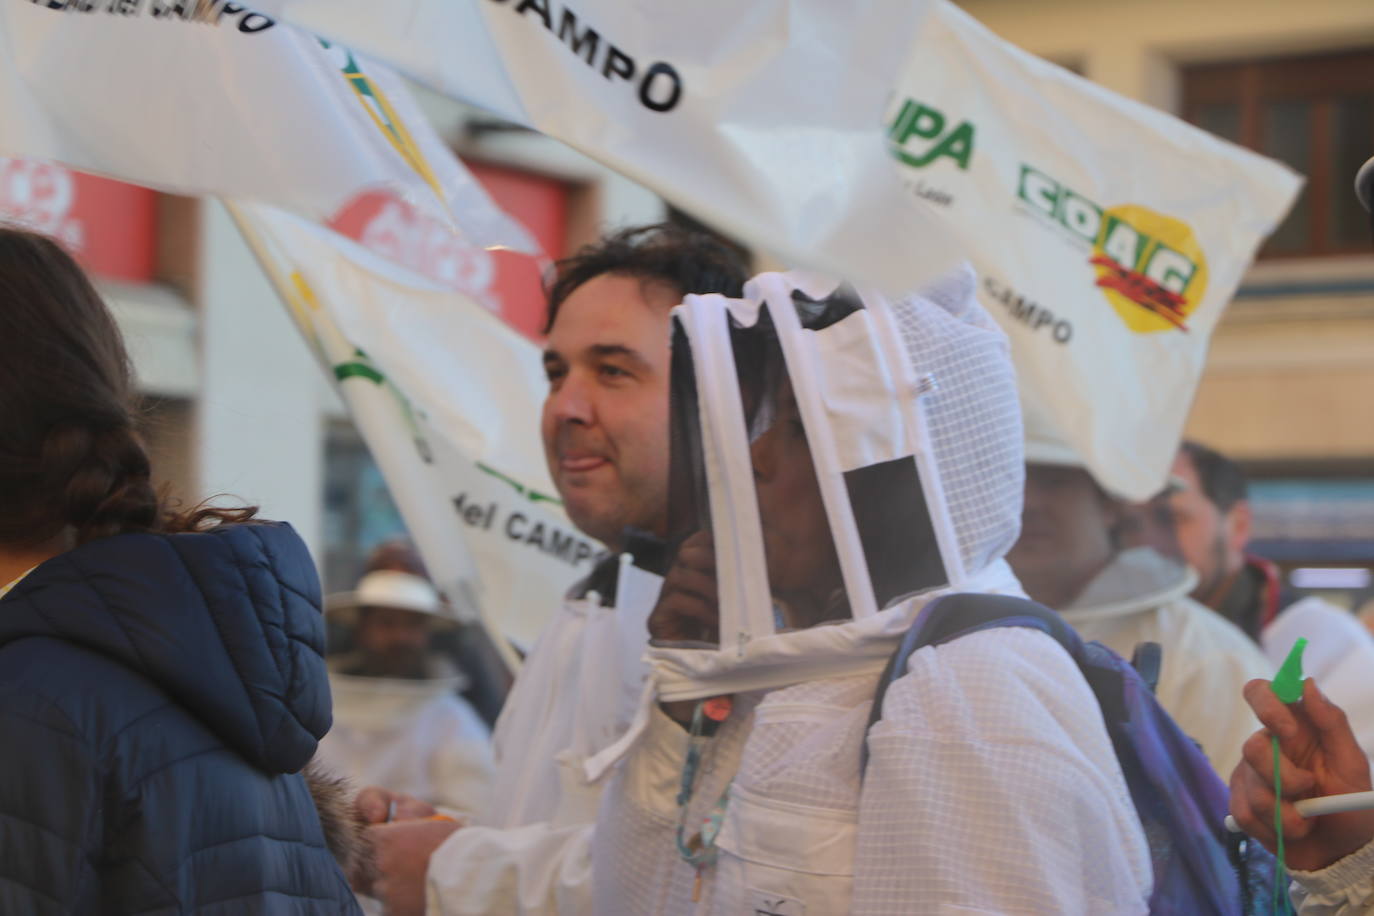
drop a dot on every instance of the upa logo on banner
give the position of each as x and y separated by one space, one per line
1149 266
918 136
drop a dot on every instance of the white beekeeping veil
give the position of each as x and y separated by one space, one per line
837 459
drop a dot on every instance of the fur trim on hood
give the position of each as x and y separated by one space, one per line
345 833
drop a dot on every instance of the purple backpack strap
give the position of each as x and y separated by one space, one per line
1180 800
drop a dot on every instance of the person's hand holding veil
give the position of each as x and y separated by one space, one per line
687 610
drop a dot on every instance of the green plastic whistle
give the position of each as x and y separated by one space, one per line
1287 684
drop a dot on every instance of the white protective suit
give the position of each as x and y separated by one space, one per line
992 785
413 736
529 850
1339 654
1344 888
1142 596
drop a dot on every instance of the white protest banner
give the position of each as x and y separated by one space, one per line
759 118
447 398
1109 236
214 98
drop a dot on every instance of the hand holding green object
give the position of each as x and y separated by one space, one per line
1318 756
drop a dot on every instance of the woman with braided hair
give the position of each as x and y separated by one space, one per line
162 683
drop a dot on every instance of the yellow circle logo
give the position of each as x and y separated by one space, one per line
1150 268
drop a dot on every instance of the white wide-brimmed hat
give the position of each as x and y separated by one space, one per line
389 588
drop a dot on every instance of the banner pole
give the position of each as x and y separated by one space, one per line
282 284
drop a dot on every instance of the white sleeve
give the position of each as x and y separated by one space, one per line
538 868
1343 889
544 867
992 787
1202 691
461 768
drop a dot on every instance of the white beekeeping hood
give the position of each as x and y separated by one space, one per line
842 458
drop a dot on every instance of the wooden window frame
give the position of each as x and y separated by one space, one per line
1321 80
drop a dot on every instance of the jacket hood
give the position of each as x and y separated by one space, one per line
1136 580
227 622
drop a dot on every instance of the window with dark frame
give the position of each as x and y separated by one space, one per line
1315 113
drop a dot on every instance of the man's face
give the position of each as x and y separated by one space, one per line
1202 530
1066 534
605 420
803 568
392 641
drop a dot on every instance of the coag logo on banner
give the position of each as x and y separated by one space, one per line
917 136
1149 266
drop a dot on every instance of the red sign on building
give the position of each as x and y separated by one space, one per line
507 283
109 226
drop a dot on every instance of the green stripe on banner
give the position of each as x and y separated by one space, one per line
358 370
533 496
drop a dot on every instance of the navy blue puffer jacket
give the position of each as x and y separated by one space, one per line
159 695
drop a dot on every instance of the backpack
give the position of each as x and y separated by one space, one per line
1199 867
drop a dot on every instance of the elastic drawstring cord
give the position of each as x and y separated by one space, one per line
698 851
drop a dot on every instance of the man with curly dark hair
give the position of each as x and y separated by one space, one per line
605 433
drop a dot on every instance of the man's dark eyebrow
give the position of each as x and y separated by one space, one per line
604 350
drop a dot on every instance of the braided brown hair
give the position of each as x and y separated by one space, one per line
70 457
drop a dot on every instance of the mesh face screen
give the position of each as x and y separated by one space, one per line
974 421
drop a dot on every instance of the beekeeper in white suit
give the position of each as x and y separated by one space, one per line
837 464
1076 554
398 717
